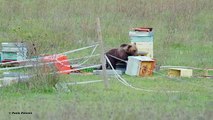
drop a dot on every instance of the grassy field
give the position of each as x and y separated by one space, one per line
182 36
92 101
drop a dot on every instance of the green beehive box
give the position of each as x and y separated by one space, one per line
13 52
9 55
0 57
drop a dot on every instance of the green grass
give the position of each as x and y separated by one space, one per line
182 36
93 101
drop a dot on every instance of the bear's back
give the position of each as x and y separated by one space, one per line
119 53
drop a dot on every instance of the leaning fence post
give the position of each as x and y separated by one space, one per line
103 60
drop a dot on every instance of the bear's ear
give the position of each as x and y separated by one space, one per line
123 45
129 46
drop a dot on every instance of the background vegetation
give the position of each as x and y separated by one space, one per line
182 36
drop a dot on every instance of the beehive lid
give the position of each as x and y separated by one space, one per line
141 31
13 47
141 58
12 44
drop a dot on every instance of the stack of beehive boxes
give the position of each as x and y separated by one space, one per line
143 37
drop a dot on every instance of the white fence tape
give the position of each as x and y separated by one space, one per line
84 82
83 48
39 58
186 67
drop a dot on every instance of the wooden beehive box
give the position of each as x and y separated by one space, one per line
180 72
140 66
146 68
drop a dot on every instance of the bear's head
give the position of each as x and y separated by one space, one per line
130 49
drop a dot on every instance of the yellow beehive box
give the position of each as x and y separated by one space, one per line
145 47
146 68
180 72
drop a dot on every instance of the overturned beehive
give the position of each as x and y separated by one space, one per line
140 66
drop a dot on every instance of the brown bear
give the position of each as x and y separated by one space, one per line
122 53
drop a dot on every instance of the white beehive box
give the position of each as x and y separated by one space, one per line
12 77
